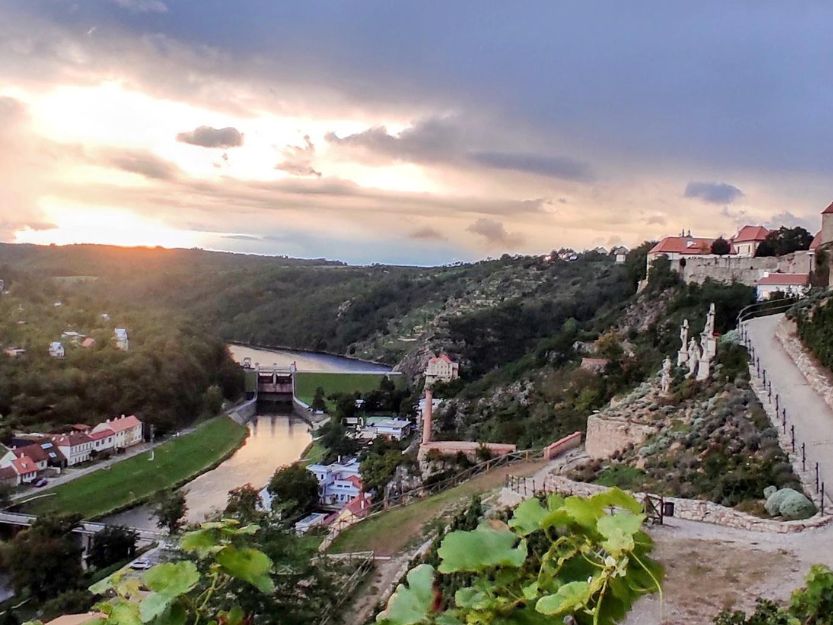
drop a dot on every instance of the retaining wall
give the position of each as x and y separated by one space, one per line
245 411
817 376
742 269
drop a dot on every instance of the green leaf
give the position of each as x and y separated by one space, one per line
412 603
617 498
124 613
527 517
247 564
480 549
201 542
447 618
619 530
471 598
234 616
567 599
583 511
530 591
172 578
174 615
153 605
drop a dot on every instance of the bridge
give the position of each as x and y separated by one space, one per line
85 528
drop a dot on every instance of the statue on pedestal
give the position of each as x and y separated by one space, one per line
682 354
704 365
693 357
665 381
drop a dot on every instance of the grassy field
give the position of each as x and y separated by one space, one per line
306 383
136 479
392 531
314 453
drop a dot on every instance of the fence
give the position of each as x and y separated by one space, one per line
364 564
782 421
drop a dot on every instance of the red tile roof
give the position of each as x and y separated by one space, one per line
816 241
683 245
359 505
24 465
123 423
73 439
35 452
442 357
751 233
785 279
828 210
355 480
101 434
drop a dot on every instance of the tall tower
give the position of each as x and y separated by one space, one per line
827 225
427 416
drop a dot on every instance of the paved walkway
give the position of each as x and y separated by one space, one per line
811 416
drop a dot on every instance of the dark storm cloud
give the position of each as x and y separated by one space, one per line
449 140
208 137
713 192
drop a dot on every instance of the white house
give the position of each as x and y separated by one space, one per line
56 350
127 431
746 241
338 483
308 522
441 368
103 440
392 428
75 446
121 339
787 283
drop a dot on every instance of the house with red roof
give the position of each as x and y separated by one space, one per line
127 431
790 284
25 469
75 446
441 368
35 453
745 243
338 483
103 439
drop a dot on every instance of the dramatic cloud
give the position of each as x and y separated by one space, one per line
713 192
427 233
208 137
448 140
143 6
494 232
298 159
143 163
551 166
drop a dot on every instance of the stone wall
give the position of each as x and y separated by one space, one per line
562 445
608 434
817 376
245 411
688 509
745 270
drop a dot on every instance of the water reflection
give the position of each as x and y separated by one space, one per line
274 441
305 361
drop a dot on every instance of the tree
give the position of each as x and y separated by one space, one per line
111 545
784 241
295 488
213 400
73 601
169 509
720 246
243 503
334 438
45 559
378 469
318 401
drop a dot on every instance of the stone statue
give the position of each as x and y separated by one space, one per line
665 381
682 355
704 364
693 357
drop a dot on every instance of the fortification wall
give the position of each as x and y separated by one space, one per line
743 270
607 435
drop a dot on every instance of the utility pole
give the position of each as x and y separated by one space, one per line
152 448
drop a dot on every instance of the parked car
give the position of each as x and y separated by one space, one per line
40 483
142 564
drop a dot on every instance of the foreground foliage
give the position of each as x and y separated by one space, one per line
554 559
811 605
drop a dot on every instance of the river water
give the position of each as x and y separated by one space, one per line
274 440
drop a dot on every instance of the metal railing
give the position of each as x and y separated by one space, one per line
782 420
767 307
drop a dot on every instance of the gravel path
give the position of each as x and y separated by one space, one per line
811 416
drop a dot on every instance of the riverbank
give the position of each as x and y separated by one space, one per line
138 479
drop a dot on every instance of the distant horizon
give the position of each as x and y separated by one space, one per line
415 133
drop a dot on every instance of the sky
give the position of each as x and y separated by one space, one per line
410 132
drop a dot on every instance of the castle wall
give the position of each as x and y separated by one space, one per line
607 434
741 269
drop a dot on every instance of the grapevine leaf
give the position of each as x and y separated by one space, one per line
566 599
530 591
172 578
153 605
247 564
124 613
174 615
202 542
471 598
554 501
448 619
480 549
619 531
527 517
582 511
412 603
617 498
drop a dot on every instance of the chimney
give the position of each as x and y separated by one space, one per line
427 416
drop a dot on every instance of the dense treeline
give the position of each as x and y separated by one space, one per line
175 369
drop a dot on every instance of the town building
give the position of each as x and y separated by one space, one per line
56 350
441 369
389 427
25 469
790 284
338 483
745 243
127 431
103 439
75 446
35 454
122 342
316 519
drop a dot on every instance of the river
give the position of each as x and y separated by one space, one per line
274 440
